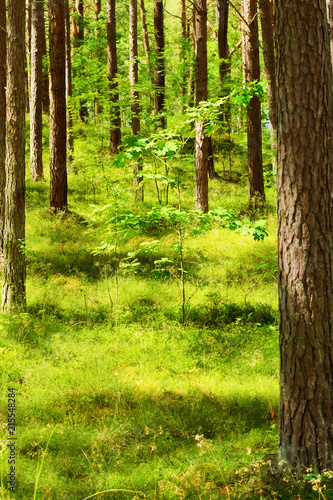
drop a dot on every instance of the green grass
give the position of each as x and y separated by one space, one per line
113 392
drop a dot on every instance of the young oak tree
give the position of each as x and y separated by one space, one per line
58 171
36 91
115 134
2 121
201 140
254 137
305 247
13 291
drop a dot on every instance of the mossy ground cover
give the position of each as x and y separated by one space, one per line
113 393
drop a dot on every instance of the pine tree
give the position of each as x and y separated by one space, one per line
36 91
58 171
115 134
305 162
13 291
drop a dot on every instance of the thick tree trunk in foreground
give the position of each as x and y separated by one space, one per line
2 121
266 12
254 138
69 88
305 161
13 291
201 149
36 92
134 78
115 134
58 188
159 62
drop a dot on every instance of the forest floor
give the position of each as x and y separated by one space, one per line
113 392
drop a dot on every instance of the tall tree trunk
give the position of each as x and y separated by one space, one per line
98 8
305 162
80 24
115 134
266 18
2 121
46 95
222 14
185 75
134 78
36 92
201 150
27 53
13 291
58 188
330 19
69 88
75 28
254 138
159 100
146 41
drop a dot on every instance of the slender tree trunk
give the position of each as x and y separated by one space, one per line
146 41
266 18
330 19
2 122
80 24
27 54
134 78
36 92
98 8
69 88
13 291
305 162
115 134
46 95
222 14
58 188
254 138
201 150
183 55
75 28
159 100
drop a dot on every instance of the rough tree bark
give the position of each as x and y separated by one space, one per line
115 134
305 162
201 149
2 121
58 187
330 19
183 55
266 13
134 78
69 88
254 137
13 291
159 99
36 91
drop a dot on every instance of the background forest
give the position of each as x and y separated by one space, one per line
146 361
